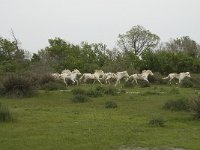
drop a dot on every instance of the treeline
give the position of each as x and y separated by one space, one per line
138 49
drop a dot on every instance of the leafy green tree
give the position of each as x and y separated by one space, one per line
12 58
137 40
183 44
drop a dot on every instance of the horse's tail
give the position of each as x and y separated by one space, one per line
166 77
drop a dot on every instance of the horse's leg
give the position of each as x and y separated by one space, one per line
116 82
99 81
146 80
136 81
65 82
179 81
170 81
76 81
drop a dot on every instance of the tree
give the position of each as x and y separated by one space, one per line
137 40
183 44
12 58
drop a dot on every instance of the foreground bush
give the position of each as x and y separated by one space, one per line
17 86
187 83
177 105
174 91
78 90
53 85
94 93
195 106
5 115
111 104
143 83
157 122
80 98
157 79
111 90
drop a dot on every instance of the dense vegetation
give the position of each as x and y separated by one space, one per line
137 49
100 117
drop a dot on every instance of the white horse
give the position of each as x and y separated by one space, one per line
143 76
73 76
179 76
108 77
67 71
95 76
121 75
56 76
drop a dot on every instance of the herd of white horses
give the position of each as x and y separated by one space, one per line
77 77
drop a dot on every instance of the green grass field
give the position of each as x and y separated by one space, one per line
51 121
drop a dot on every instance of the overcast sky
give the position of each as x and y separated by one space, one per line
35 21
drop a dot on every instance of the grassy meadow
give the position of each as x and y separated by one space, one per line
51 121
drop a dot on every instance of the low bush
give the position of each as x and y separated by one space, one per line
157 79
5 115
177 105
174 91
129 84
187 83
53 85
17 86
111 90
157 122
78 90
143 83
195 106
80 98
94 93
45 78
148 93
111 104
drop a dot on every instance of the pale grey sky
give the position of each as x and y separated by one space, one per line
35 21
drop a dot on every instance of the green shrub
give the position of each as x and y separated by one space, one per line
177 105
174 91
80 98
45 78
52 85
157 122
100 88
17 86
5 115
111 104
94 93
111 90
129 84
148 93
143 83
78 90
187 83
195 106
156 78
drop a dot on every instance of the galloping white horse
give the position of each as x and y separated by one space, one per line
68 75
143 76
108 76
121 75
56 76
95 76
67 71
179 76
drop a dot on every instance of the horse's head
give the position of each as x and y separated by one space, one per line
187 74
99 72
66 71
76 71
126 75
149 72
